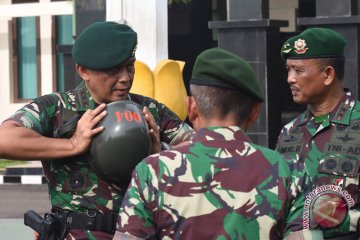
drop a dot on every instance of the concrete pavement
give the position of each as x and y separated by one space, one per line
15 200
21 188
14 229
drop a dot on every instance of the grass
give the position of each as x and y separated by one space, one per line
5 163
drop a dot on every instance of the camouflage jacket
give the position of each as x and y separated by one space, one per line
72 183
221 186
330 151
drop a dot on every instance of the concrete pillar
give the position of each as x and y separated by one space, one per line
46 53
250 34
336 8
149 20
245 9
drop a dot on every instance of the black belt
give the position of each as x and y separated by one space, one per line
352 236
90 220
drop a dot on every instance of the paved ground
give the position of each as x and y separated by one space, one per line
15 200
14 229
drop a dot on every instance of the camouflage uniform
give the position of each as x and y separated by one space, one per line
221 186
330 151
73 185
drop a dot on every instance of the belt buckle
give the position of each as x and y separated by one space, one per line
91 213
91 220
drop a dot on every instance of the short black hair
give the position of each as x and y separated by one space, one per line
337 63
219 102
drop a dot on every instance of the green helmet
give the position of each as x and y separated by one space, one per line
123 143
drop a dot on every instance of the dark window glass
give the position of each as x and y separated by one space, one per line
26 58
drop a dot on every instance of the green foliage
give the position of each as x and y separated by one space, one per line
5 163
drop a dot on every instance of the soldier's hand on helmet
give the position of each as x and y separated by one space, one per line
86 128
154 131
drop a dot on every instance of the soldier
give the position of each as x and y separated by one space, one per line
326 136
85 204
222 185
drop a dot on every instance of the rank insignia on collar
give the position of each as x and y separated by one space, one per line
300 46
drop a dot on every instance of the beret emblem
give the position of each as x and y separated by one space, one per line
134 50
285 48
300 46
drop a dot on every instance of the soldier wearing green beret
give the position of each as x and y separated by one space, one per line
222 185
58 129
326 136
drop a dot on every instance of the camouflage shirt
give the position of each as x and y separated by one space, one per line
331 152
72 183
221 186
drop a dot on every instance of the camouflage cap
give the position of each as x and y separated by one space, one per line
220 68
314 43
104 45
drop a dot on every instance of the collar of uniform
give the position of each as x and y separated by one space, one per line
303 118
342 113
221 133
83 98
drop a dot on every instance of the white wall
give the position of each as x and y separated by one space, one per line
149 20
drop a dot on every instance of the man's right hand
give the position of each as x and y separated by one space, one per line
19 142
87 128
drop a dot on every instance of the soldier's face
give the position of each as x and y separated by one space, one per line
113 84
306 79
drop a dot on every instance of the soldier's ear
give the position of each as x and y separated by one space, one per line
192 110
253 116
329 74
83 72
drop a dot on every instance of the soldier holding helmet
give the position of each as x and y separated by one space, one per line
85 203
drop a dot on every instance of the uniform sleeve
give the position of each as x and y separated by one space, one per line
173 130
136 217
37 114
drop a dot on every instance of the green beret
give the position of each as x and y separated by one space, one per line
104 45
220 68
314 43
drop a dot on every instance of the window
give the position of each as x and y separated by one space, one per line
26 55
24 1
63 36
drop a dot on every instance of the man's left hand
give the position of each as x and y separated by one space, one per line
154 131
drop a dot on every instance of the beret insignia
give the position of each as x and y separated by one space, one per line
300 46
